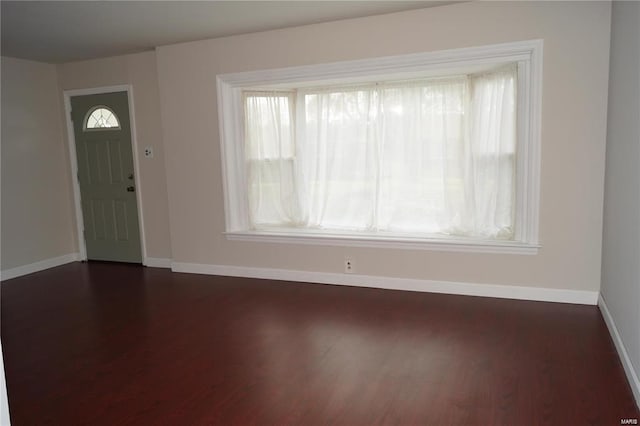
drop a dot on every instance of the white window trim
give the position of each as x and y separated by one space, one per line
528 54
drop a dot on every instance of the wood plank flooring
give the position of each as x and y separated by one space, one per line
110 344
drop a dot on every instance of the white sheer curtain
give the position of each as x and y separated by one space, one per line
339 158
423 146
492 144
270 153
422 157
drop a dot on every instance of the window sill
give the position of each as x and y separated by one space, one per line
394 242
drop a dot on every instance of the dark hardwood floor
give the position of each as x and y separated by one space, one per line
109 344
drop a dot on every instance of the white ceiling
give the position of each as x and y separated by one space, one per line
63 31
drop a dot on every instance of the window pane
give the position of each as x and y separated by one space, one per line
433 156
269 154
338 159
422 171
493 137
102 118
271 192
268 127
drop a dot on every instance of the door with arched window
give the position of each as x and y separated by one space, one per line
106 176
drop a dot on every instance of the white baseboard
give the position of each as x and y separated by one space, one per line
468 289
38 266
157 262
632 375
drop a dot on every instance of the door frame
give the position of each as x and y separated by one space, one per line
73 162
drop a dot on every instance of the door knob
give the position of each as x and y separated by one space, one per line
130 177
131 189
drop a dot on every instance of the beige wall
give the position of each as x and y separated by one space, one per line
36 201
139 70
621 243
576 53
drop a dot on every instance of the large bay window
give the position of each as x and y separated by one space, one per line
438 150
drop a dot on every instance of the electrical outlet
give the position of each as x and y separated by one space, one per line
148 152
348 266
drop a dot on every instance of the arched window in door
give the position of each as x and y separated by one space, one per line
101 117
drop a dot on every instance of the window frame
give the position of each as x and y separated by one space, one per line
528 55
